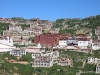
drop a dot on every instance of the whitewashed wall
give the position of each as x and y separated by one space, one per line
83 43
63 42
95 47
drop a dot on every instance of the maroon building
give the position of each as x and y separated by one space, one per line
50 39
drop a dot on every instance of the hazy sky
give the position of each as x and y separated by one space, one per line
49 9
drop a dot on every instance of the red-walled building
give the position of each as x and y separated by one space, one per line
50 39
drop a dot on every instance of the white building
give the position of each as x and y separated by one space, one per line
6 48
98 68
6 44
96 44
92 60
41 54
6 40
43 61
66 43
62 42
84 42
54 54
18 52
96 61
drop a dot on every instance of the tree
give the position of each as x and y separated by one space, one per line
31 39
26 57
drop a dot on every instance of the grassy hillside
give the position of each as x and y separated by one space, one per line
3 26
7 68
85 25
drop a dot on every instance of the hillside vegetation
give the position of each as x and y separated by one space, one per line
7 68
77 25
3 26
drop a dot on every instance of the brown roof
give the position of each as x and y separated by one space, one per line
59 35
96 41
64 59
80 35
17 40
3 37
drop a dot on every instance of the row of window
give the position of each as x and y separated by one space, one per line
63 62
19 52
42 64
42 55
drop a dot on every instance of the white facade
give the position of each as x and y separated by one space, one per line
96 44
5 48
92 60
83 43
6 41
43 61
62 42
96 61
18 52
41 54
6 44
98 68
51 54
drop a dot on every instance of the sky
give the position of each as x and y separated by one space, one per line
49 9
